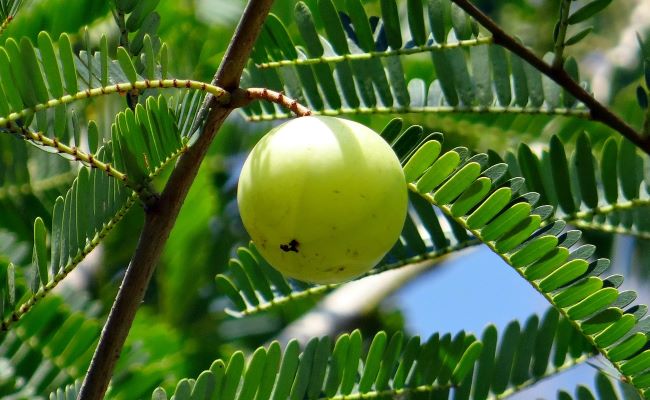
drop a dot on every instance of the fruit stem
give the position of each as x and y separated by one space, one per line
274 97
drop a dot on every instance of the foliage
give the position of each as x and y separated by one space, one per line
100 102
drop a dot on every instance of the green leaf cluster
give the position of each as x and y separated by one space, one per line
359 70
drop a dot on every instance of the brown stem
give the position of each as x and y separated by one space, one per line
161 216
598 111
274 97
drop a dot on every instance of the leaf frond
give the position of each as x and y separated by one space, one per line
32 297
39 84
344 370
603 190
78 228
511 224
45 335
277 292
443 366
355 66
59 336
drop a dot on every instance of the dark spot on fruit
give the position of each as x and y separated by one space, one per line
341 269
291 246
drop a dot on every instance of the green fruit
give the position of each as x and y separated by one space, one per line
323 198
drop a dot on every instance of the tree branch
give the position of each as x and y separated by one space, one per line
597 110
161 216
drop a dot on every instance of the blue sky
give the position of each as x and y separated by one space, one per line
471 291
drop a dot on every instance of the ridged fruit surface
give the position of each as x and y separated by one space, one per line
323 198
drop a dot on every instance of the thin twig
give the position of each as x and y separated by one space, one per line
481 41
278 98
143 189
122 88
73 152
562 112
598 111
161 216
